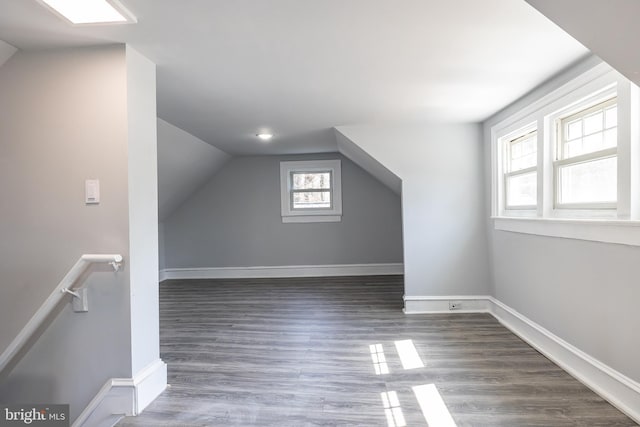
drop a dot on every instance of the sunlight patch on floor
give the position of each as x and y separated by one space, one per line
409 356
392 409
379 360
433 407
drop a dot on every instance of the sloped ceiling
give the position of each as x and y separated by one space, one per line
228 69
610 29
184 164
6 52
363 159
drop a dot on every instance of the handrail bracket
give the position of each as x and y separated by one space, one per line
115 265
70 292
80 300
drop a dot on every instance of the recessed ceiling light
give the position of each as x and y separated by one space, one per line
91 11
265 136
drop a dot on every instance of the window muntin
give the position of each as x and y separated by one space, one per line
520 177
585 169
590 130
311 190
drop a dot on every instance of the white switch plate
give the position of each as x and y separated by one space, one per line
92 191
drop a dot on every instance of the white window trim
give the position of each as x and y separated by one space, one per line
621 225
289 215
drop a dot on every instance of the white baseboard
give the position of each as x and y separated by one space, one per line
149 383
120 397
282 271
440 304
613 386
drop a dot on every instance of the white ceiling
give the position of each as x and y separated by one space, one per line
228 69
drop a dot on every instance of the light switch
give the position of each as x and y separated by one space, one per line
92 191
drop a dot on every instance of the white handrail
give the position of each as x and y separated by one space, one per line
67 285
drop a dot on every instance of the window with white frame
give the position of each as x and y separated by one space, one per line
568 164
520 170
586 165
311 191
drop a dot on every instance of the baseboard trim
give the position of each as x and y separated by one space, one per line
613 386
440 304
149 383
282 271
120 397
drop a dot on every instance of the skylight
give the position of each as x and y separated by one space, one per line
91 11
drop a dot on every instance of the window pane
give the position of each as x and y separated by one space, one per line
516 150
592 143
593 123
311 199
589 182
306 180
574 129
522 190
611 117
572 148
528 146
522 153
529 160
610 138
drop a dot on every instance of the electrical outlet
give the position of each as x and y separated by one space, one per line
455 305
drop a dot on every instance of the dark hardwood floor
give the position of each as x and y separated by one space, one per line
301 352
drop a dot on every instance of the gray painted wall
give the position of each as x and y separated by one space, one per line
63 119
440 164
584 292
234 221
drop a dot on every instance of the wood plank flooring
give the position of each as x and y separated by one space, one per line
297 352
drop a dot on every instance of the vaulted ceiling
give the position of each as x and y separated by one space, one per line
228 69
609 29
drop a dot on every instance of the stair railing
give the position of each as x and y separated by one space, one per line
68 285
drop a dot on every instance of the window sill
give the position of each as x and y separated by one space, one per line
311 218
623 232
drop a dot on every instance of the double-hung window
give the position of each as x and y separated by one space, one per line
568 164
310 191
586 166
520 177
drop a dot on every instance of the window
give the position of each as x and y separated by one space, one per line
520 177
311 191
586 161
568 164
